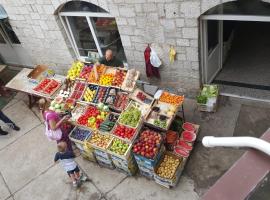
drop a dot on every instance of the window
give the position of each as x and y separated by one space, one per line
91 29
82 35
7 29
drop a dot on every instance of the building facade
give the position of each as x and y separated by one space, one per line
160 23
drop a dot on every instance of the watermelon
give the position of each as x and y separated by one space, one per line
189 127
188 136
184 145
181 151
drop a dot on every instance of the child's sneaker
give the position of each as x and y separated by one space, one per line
75 184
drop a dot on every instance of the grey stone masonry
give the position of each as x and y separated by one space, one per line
161 23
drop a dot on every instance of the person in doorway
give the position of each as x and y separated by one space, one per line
55 122
110 60
10 123
66 158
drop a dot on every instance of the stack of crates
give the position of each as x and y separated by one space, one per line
166 182
89 152
79 142
124 163
103 158
101 155
147 166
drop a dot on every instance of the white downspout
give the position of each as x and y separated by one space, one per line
259 144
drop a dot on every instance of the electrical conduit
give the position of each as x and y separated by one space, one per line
251 142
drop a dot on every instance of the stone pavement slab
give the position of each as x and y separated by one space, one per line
139 188
207 165
4 192
11 103
104 179
252 121
54 184
23 117
26 158
219 124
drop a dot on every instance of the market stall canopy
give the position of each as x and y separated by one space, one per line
3 13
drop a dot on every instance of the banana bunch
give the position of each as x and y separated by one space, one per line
75 70
89 95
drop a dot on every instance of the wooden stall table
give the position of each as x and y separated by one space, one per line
20 83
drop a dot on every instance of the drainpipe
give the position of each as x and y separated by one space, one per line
251 142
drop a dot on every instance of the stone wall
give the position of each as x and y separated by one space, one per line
161 23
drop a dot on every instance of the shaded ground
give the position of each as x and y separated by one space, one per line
5 76
27 170
248 60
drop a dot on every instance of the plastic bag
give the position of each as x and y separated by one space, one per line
154 59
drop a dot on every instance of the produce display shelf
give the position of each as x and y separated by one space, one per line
129 163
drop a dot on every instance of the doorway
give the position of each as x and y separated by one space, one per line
235 47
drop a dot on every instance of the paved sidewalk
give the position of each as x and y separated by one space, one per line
27 170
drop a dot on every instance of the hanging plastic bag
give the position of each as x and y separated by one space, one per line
154 59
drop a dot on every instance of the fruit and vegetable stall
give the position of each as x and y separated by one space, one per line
118 125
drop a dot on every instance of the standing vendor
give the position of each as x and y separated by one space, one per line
109 60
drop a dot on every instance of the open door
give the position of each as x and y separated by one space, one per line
212 42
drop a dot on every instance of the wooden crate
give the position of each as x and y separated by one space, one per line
166 182
79 141
128 167
137 131
123 157
89 156
129 105
123 87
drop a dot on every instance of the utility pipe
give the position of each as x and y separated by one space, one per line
251 142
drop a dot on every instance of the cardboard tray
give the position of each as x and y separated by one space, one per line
35 75
98 147
168 181
110 132
120 69
169 121
42 93
133 96
178 105
85 102
130 89
129 105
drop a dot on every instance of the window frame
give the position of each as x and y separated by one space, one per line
64 16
